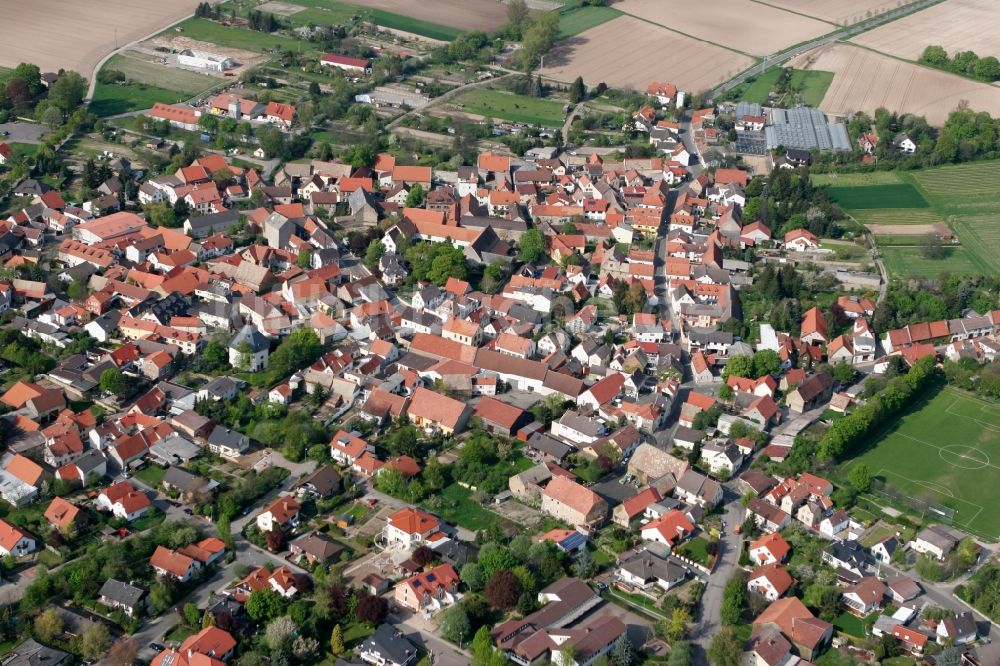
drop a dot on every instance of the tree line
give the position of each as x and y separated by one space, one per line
966 63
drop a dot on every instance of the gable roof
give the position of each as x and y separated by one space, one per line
572 494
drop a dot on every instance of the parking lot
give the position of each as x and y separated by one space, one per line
21 132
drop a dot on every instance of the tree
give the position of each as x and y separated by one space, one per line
494 558
279 630
124 651
191 614
987 69
677 625
738 366
374 252
517 13
415 197
733 597
766 362
263 605
577 91
48 625
584 567
454 625
932 247
726 648
68 91
337 641
52 117
339 601
94 640
305 256
860 477
532 245
161 214
113 381
472 575
371 609
275 540
623 651
935 56
503 590
680 654
843 372
423 555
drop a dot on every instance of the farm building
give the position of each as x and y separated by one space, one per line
806 128
183 117
209 62
347 63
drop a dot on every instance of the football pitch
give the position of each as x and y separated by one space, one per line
945 453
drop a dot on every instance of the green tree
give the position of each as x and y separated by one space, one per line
68 91
263 605
472 576
733 597
987 69
494 558
113 381
94 640
677 624
584 567
161 214
32 77
454 625
738 366
623 651
935 56
48 625
337 641
305 256
766 362
191 614
726 648
577 90
680 654
372 255
517 13
52 117
415 197
860 477
532 245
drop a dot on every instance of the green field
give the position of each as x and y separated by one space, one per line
856 179
889 195
170 78
811 85
582 19
340 12
465 512
947 452
153 83
516 108
897 216
236 38
906 261
113 99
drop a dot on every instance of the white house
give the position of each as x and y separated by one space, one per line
409 527
280 514
770 581
15 542
249 349
935 541
124 501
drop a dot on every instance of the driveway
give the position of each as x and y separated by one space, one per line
421 633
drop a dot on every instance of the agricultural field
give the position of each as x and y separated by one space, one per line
582 19
947 452
515 108
171 78
844 12
890 195
962 181
856 179
904 261
203 30
413 15
56 34
597 56
957 25
865 80
762 29
810 85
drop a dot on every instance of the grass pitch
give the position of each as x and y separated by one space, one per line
945 452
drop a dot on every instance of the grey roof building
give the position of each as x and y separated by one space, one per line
388 646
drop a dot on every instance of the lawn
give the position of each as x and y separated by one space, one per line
905 261
946 451
810 85
581 19
341 12
889 195
465 512
113 99
851 624
151 475
516 108
696 550
237 38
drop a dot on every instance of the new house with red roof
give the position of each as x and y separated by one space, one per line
410 526
282 513
124 501
430 591
14 541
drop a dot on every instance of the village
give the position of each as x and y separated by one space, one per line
365 346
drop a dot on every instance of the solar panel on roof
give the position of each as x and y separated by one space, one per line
573 541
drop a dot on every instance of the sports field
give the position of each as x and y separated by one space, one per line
948 453
891 195
515 108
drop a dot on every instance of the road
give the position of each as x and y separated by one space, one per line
843 33
445 97
726 566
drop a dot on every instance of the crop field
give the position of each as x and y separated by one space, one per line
947 452
597 55
582 19
516 108
889 195
856 179
762 29
56 34
865 80
903 261
843 12
897 216
235 38
957 25
415 15
977 179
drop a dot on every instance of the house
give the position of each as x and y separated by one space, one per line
649 463
935 541
903 588
722 457
959 629
911 640
116 594
431 410
669 529
124 501
30 652
430 591
904 144
410 527
645 570
578 505
15 542
316 548
766 516
864 596
634 506
321 484
388 647
848 556
227 443
346 63
811 393
801 240
769 549
791 617
697 489
770 581
346 448
281 514
248 349
61 514
500 418
834 524
213 642
172 564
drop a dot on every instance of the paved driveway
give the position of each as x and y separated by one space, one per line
21 132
